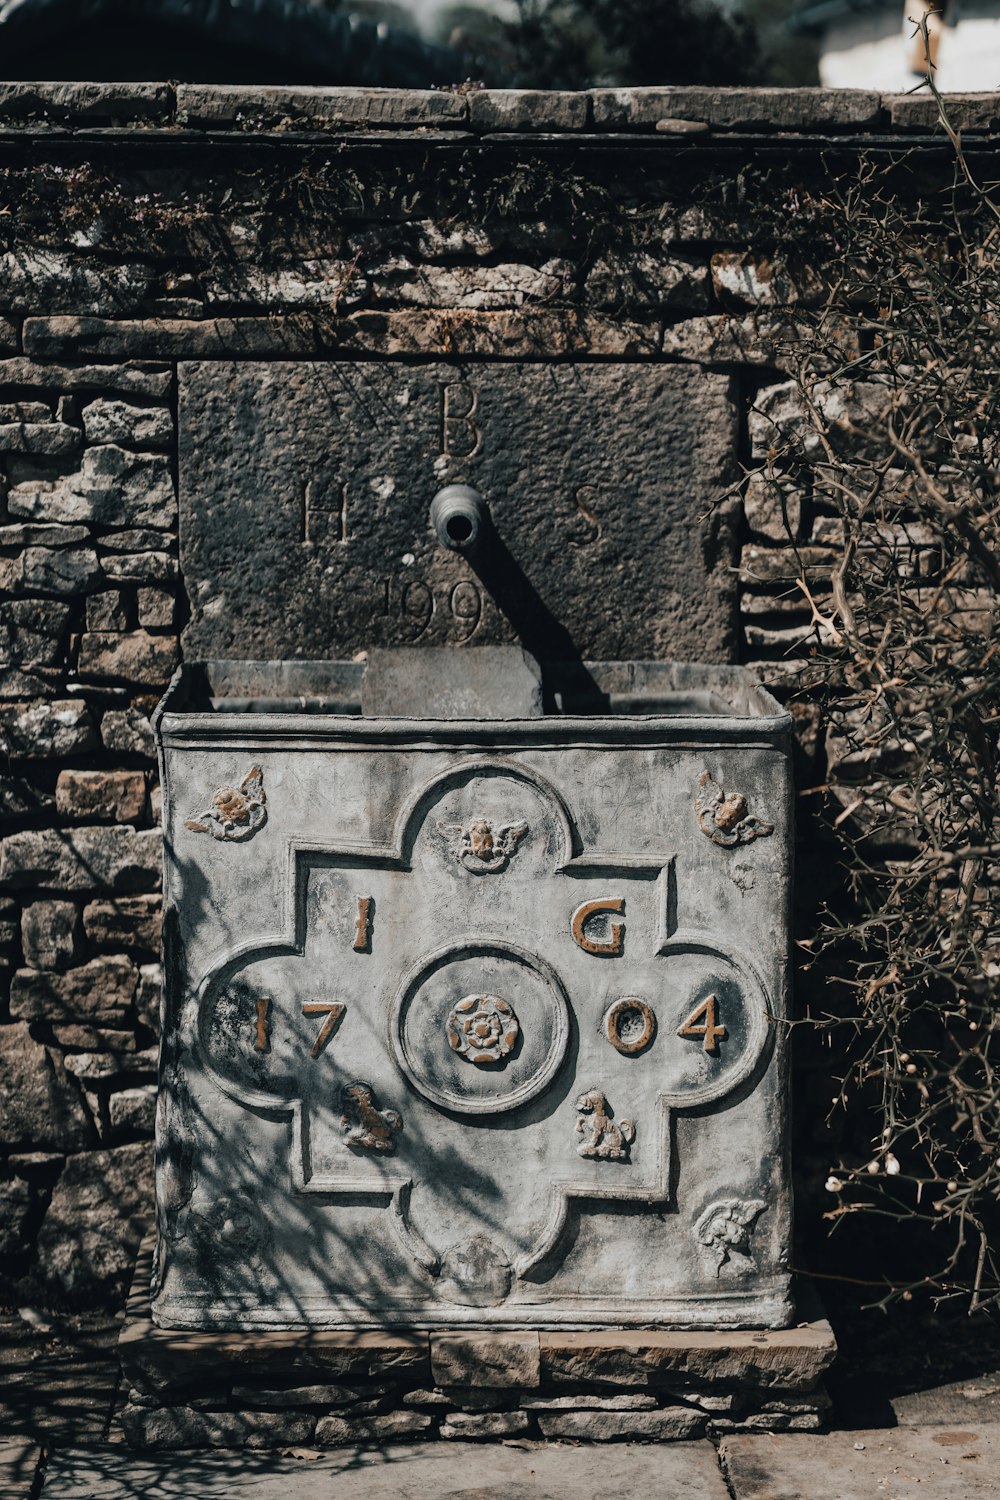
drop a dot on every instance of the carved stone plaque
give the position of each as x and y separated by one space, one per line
478 1019
305 492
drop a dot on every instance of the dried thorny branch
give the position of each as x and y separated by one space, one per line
896 453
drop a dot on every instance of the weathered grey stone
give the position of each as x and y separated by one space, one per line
134 656
398 281
32 631
18 686
118 796
772 504
100 990
762 566
82 859
184 1427
225 104
148 996
290 1397
139 567
124 379
669 1424
113 487
39 280
26 534
126 731
758 281
16 1200
100 1207
21 798
40 1106
47 439
101 1067
745 108
10 336
526 109
156 608
628 490
625 1402
427 1398
136 539
487 1424
787 1358
25 411
645 279
107 611
50 932
333 1431
780 419
72 102
503 1358
133 1111
46 570
58 727
965 111
93 1039
130 922
132 426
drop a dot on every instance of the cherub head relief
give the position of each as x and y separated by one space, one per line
482 847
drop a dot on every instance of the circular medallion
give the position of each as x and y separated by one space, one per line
490 1004
483 1029
630 1026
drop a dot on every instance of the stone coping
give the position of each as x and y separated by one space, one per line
32 108
159 1359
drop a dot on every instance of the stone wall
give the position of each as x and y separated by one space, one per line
144 226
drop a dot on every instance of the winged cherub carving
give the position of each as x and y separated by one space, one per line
236 812
482 848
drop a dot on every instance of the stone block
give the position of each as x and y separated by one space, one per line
46 570
112 796
107 421
526 110
16 1200
83 859
290 1397
71 103
93 1039
10 336
249 431
20 799
737 108
139 567
25 411
772 504
182 1427
966 112
156 608
852 414
135 539
400 283
648 280
107 611
50 934
758 281
28 534
669 1424
34 279
40 1106
43 439
334 1431
501 1358
487 1424
122 379
113 487
33 632
100 1207
127 731
58 727
132 656
101 990
316 108
130 922
788 1358
108 1067
149 995
627 1401
760 567
133 1111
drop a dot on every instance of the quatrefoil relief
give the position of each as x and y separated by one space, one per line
475 1000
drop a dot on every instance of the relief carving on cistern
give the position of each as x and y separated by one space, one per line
564 998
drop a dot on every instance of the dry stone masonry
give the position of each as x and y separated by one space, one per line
297 249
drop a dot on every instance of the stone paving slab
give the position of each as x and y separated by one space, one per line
18 1466
58 1377
894 1463
444 1471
